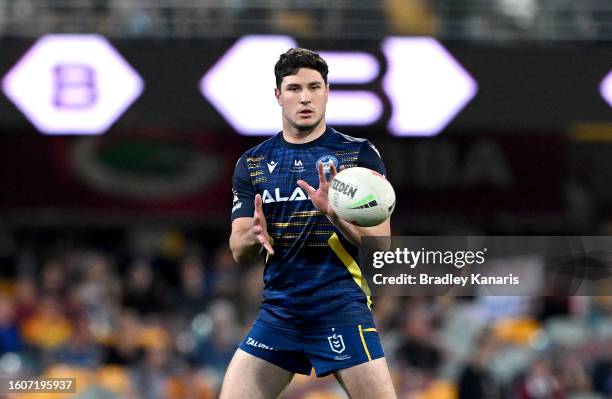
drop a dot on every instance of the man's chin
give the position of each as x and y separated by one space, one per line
305 126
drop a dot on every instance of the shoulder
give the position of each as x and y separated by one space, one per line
346 138
252 154
363 144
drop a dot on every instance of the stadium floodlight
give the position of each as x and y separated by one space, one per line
240 85
605 88
72 84
426 86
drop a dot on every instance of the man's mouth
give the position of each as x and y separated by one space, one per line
305 112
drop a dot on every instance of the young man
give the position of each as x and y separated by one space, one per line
316 306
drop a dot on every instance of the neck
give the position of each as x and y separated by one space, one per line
297 136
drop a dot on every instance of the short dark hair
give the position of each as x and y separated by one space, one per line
296 58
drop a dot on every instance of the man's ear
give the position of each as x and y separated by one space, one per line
277 95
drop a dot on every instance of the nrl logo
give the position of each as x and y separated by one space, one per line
336 343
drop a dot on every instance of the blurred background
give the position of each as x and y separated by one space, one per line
117 151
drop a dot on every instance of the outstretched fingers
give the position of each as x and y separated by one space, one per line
259 225
332 171
258 214
306 187
263 240
321 171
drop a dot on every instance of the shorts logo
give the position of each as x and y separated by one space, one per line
336 343
259 345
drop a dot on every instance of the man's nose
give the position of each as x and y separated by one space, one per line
304 97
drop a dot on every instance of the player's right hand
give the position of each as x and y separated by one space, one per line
260 228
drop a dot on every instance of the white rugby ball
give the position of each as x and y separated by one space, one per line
361 196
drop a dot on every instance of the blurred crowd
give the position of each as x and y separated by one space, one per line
478 20
159 314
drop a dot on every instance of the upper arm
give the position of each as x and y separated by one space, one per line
369 157
383 229
243 192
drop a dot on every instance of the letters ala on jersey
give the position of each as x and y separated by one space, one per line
297 195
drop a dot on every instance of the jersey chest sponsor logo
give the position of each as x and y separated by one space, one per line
298 166
297 195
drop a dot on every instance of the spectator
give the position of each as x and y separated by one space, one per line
81 350
48 328
476 382
142 291
194 294
10 337
540 382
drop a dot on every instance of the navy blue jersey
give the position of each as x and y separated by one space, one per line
313 279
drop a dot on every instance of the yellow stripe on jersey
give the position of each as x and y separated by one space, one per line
297 235
364 343
369 330
345 152
351 265
287 224
306 214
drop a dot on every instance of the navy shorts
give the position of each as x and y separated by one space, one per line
325 349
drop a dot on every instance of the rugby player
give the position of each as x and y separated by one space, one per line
316 309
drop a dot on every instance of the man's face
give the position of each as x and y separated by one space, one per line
303 97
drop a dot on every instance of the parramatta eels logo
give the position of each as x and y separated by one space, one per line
336 343
327 160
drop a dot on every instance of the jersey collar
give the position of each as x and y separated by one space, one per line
312 143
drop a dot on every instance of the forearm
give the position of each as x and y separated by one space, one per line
245 248
354 233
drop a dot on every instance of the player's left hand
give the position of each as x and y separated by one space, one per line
319 197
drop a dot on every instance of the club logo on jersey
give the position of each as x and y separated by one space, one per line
296 195
344 188
272 165
336 343
236 203
327 161
298 166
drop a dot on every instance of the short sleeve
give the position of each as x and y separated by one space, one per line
369 157
243 192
